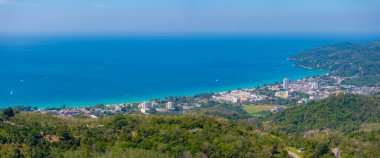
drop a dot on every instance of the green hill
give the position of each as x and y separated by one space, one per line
342 112
42 135
344 59
353 122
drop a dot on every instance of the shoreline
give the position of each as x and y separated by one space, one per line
117 101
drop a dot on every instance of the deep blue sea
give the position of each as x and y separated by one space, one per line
48 71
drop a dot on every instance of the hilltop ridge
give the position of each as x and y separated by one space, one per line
343 59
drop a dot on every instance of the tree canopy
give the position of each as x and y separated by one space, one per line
343 59
344 112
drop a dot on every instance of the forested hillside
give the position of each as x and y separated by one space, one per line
342 112
344 59
369 80
40 135
348 123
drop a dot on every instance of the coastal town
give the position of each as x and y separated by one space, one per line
280 95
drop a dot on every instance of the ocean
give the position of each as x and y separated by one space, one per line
51 71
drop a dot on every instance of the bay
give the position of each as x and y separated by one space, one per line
47 71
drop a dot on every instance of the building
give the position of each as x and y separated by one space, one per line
274 87
235 100
282 94
147 105
161 110
145 110
169 105
314 85
285 83
303 100
186 107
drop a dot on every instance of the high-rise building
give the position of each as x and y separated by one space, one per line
314 85
169 105
285 83
146 105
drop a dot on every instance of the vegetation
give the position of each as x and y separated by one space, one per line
168 136
345 59
343 112
225 110
295 151
347 123
370 80
258 110
8 113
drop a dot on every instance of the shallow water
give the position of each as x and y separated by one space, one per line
76 71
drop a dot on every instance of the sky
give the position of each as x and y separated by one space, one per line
189 16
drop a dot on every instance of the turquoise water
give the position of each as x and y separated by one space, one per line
78 71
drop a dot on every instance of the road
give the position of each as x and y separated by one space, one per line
336 152
292 154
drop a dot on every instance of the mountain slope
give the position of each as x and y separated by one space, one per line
43 135
344 59
342 112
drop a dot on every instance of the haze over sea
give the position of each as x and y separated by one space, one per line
48 71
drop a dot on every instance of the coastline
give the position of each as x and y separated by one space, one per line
305 67
116 101
231 75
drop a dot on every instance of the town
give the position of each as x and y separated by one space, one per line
281 95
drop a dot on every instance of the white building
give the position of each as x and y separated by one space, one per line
145 110
314 85
235 100
285 83
169 105
147 105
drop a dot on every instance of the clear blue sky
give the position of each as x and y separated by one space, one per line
189 16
